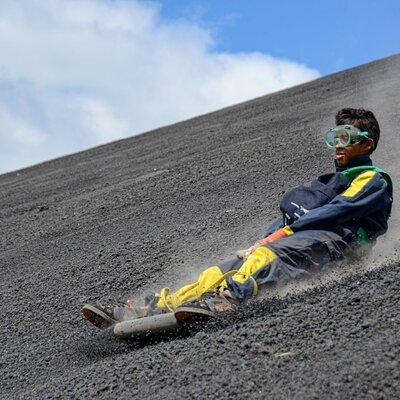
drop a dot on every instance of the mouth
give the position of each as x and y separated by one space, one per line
340 155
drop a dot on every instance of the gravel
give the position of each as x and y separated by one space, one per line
132 216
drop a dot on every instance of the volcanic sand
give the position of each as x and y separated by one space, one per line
135 215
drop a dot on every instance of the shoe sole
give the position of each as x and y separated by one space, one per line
97 317
190 315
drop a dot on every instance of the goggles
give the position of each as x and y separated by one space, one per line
344 135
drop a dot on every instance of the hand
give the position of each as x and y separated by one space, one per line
243 254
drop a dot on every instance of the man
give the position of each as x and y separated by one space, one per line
340 214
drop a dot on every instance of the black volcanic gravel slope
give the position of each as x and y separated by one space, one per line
133 215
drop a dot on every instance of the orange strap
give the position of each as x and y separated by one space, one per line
279 234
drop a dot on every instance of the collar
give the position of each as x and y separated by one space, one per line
356 161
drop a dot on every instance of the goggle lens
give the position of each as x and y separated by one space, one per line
334 138
343 136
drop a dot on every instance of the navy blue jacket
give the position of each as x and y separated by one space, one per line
333 202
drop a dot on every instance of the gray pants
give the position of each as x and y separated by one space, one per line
298 255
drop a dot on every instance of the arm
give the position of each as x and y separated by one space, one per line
272 233
366 194
277 224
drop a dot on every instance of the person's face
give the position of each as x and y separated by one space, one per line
344 154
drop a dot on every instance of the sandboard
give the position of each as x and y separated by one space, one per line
188 315
146 326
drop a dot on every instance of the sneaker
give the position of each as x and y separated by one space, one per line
210 304
105 316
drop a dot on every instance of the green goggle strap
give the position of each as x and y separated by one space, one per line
363 135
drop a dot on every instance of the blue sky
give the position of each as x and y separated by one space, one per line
326 35
78 73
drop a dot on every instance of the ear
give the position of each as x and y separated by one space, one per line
369 145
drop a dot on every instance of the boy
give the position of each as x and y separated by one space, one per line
340 214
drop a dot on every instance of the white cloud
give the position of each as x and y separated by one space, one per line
27 135
101 121
19 132
74 74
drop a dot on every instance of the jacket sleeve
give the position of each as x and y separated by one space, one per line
366 194
275 225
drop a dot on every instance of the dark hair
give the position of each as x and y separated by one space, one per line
361 119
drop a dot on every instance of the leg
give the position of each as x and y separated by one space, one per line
208 280
284 259
288 258
105 316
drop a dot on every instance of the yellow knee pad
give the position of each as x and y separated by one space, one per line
259 259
